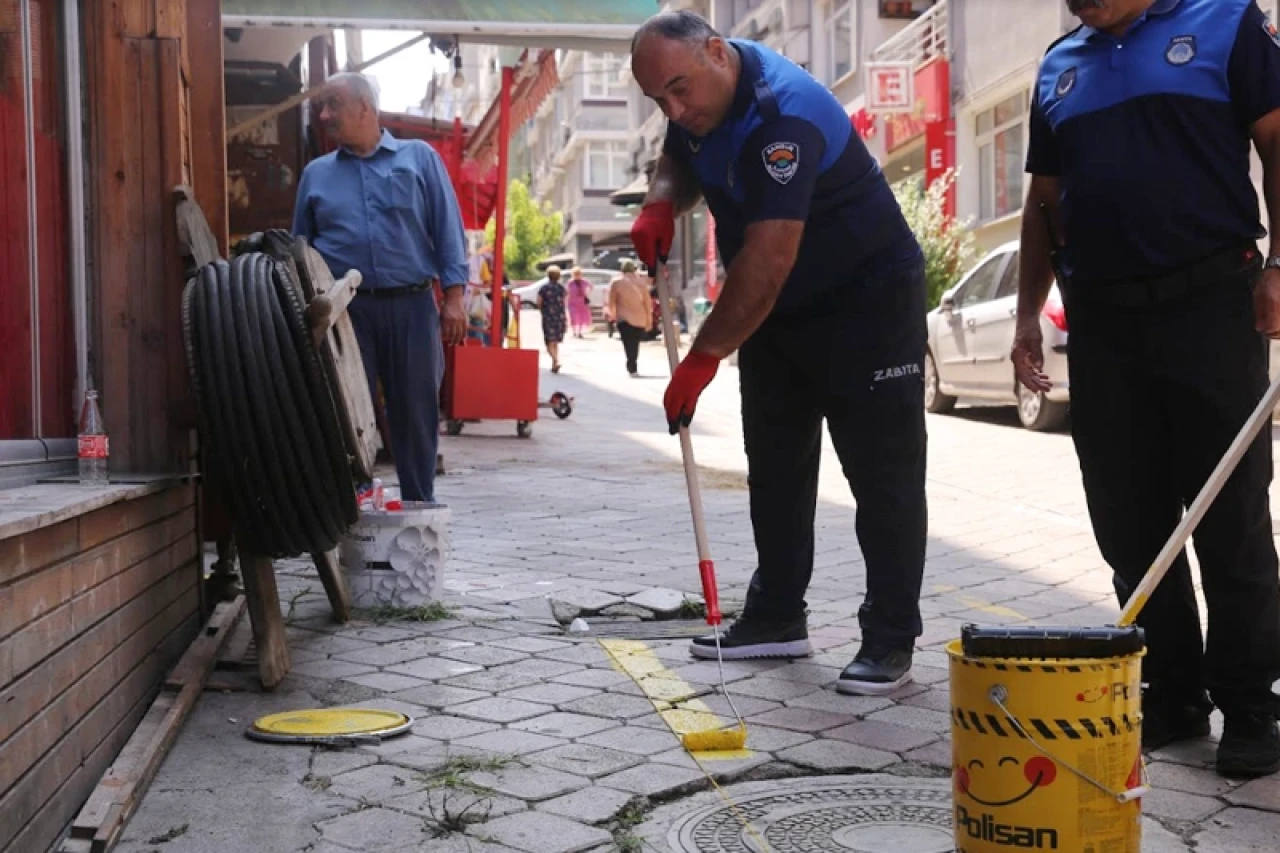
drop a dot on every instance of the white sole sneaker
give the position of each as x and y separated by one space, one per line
872 688
791 649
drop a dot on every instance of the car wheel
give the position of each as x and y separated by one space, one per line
1037 413
934 400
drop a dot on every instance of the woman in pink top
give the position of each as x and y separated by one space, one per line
579 304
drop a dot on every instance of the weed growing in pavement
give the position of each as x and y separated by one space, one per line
447 819
432 611
630 816
316 783
451 784
691 608
166 837
453 774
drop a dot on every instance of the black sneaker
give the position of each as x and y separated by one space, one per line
875 672
1250 744
1169 719
757 638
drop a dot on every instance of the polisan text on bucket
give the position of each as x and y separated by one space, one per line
985 828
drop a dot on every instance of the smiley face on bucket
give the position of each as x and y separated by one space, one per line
1009 782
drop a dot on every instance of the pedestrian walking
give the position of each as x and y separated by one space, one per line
1140 160
386 207
551 302
632 310
825 303
579 303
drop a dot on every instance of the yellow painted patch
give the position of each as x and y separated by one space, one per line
672 696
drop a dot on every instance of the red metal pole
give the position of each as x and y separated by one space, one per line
500 208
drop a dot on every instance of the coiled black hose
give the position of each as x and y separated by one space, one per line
268 418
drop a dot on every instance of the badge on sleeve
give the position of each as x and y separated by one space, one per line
781 160
1066 82
1270 29
1181 50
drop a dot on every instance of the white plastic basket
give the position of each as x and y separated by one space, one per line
397 558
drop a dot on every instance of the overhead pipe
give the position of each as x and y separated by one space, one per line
33 231
75 198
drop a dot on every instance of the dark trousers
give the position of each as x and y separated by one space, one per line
631 337
855 361
400 344
1157 395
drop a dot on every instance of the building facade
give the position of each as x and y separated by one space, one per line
578 147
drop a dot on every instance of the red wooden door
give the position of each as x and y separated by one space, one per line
56 367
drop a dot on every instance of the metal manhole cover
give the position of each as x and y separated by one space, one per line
858 814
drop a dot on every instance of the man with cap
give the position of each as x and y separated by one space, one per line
1142 120
825 303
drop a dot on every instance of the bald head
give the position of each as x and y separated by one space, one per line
687 68
682 26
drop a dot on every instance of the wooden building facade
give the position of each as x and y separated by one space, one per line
105 107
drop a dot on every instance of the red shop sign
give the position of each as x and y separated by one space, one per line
933 104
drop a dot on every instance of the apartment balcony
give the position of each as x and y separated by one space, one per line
595 119
925 38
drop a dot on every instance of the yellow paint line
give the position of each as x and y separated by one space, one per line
674 698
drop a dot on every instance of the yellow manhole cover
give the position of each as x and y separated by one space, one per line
330 725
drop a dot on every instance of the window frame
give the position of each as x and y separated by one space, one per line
617 153
996 262
600 77
985 143
849 9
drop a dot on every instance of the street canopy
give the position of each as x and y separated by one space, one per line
601 25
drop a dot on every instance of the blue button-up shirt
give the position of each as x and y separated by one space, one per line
391 215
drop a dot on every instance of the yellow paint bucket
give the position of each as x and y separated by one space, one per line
1046 752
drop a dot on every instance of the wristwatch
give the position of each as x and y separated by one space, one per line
1272 262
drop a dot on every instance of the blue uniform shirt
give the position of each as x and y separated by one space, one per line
787 150
392 215
1149 134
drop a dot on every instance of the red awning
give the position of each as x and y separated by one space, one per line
534 81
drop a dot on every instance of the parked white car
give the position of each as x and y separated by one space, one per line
971 333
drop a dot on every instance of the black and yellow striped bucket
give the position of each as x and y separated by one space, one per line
1046 752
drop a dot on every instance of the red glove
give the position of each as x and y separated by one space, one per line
653 231
692 376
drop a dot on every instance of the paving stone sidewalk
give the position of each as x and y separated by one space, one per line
530 739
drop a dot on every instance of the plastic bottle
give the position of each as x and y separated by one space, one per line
369 497
92 442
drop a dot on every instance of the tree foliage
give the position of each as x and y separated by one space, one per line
533 232
948 245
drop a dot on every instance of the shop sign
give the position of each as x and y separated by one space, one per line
890 87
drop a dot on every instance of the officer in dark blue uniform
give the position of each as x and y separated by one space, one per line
824 301
1140 139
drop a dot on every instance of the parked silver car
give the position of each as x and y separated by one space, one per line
971 333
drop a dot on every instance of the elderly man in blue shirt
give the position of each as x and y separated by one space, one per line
386 207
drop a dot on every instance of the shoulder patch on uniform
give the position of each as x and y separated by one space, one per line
781 160
1066 82
1181 50
1270 29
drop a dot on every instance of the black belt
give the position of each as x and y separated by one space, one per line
1170 286
402 290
